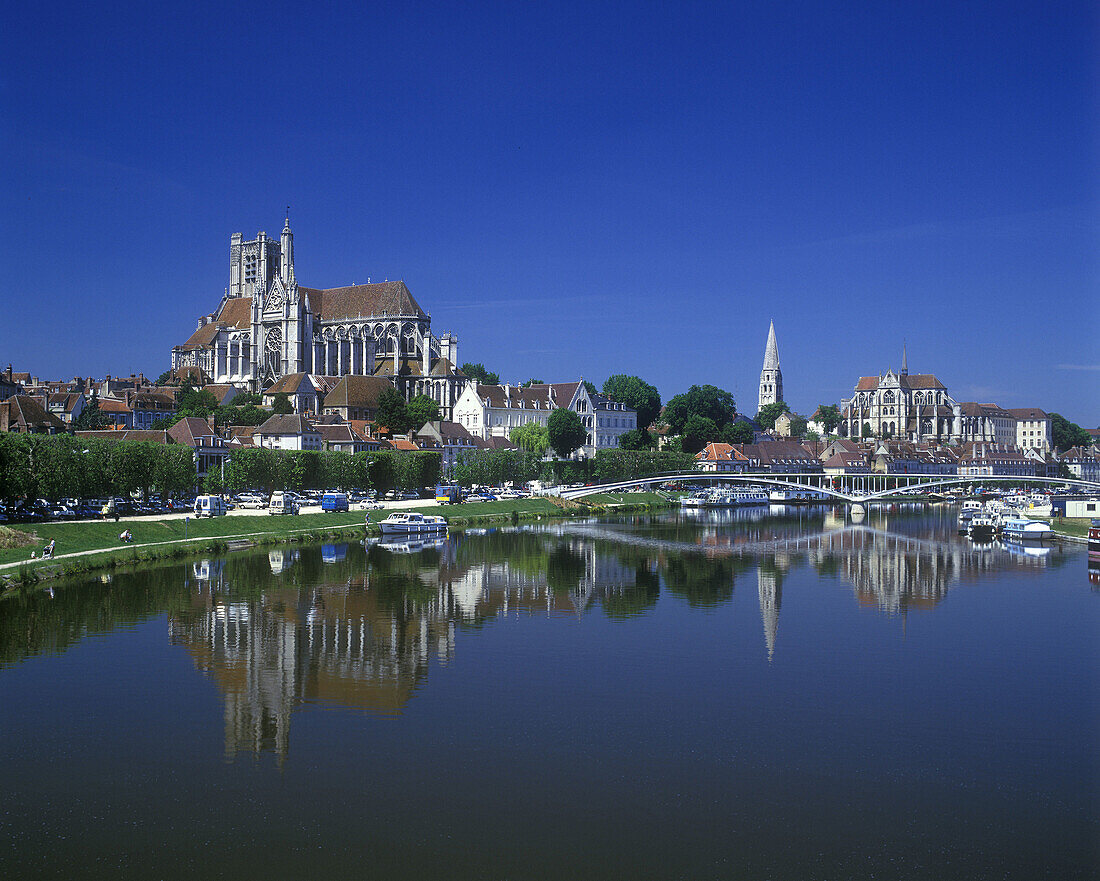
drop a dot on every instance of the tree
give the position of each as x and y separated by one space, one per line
867 432
392 411
251 468
532 437
1066 434
591 386
532 382
281 405
232 414
798 426
566 432
829 417
770 412
90 418
414 470
420 410
164 377
175 469
637 394
636 439
740 432
699 431
700 400
478 373
613 465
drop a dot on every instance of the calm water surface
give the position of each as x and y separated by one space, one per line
759 695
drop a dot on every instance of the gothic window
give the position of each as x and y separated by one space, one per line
273 350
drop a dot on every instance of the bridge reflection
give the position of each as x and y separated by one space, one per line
360 627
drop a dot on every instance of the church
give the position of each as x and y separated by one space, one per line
268 327
916 408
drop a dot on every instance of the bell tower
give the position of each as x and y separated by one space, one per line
771 377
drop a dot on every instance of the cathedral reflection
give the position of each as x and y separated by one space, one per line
360 625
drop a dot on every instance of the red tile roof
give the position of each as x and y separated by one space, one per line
387 298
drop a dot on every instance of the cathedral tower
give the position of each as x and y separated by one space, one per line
771 377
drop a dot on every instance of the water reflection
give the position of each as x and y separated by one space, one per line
359 625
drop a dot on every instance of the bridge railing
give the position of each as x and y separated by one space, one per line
860 487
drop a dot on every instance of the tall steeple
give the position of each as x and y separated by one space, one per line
286 251
904 361
771 377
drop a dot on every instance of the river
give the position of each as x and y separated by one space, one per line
760 694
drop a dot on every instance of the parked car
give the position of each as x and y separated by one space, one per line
251 500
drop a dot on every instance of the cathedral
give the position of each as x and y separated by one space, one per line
898 405
268 327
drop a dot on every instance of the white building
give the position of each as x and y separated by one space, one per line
1033 428
494 410
287 432
611 420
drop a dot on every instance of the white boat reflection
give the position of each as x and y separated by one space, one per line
412 546
280 560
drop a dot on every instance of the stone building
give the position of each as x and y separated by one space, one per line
916 407
268 326
771 377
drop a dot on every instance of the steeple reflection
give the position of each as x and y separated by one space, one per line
362 626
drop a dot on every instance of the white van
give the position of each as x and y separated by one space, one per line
210 506
282 503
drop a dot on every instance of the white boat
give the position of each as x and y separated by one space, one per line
725 498
969 508
1023 529
730 498
412 523
981 527
695 500
797 496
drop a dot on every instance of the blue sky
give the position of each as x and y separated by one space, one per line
575 189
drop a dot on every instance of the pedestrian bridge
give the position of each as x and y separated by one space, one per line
849 488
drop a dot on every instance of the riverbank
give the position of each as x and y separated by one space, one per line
1073 528
90 545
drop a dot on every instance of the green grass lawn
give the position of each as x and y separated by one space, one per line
624 498
1076 526
99 535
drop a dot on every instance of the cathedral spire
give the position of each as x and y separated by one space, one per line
286 252
771 352
904 360
771 377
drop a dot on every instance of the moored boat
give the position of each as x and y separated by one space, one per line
981 527
1094 540
969 508
1025 529
412 523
